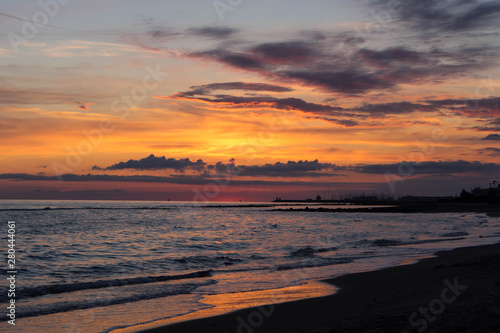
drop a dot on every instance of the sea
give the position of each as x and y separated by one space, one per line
124 266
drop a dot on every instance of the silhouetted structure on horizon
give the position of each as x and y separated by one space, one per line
476 195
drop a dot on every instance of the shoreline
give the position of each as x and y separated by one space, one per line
457 290
223 304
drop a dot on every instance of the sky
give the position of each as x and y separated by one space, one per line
230 100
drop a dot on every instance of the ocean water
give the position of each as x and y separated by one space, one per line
88 266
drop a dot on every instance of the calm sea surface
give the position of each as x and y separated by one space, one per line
86 266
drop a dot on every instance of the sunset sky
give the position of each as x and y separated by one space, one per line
247 100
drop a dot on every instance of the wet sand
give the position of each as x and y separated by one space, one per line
457 291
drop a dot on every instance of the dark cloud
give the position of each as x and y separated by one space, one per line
473 107
286 52
388 57
486 129
319 59
83 106
494 126
485 107
299 104
489 151
438 167
344 122
447 15
289 169
341 122
289 103
90 177
484 14
318 64
393 108
330 75
221 168
495 137
229 172
209 88
157 163
491 103
203 93
161 34
350 81
278 169
235 59
175 179
242 61
214 32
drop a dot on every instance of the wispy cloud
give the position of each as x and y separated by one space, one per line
209 88
486 107
320 65
83 106
445 16
213 32
288 103
432 167
176 179
30 21
489 151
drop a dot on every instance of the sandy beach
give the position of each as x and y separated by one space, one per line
456 291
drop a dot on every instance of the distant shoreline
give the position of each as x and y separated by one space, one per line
491 210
